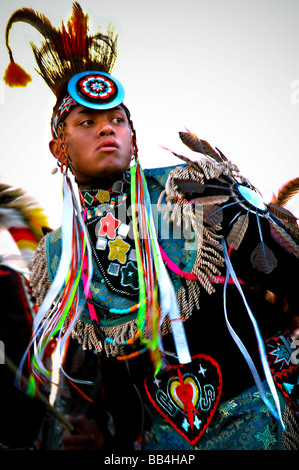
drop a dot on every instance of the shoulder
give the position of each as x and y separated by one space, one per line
159 175
156 179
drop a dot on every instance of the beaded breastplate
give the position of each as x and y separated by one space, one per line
109 228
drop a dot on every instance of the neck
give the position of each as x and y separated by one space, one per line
100 183
105 190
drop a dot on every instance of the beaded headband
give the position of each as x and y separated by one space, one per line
92 89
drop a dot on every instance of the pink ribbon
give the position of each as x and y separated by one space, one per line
191 276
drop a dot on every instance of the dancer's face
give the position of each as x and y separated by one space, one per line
99 143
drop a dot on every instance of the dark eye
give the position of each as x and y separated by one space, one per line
87 123
118 119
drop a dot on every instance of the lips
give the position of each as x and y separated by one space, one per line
107 144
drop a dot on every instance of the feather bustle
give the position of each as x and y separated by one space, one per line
286 192
238 231
198 145
282 213
284 239
209 200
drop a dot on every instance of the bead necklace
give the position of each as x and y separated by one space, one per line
118 311
98 201
102 207
100 196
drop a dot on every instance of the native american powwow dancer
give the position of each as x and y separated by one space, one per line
158 288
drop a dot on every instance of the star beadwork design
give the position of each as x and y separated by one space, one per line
129 275
281 355
118 250
108 226
202 370
197 422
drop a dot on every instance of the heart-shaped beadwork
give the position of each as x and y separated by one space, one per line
187 395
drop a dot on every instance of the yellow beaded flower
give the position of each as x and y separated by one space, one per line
103 196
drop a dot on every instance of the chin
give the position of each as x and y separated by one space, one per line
113 169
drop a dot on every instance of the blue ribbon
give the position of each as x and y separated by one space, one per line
275 412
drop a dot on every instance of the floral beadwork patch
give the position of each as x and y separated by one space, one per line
97 86
118 250
129 276
108 226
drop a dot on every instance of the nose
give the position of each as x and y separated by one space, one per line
105 129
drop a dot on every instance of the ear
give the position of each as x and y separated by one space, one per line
54 149
133 148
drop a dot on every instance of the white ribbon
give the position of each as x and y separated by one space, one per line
276 413
168 299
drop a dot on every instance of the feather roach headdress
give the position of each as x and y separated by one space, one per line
69 52
64 52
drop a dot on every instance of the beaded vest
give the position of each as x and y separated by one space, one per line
114 286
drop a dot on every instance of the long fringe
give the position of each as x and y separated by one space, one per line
60 307
209 250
